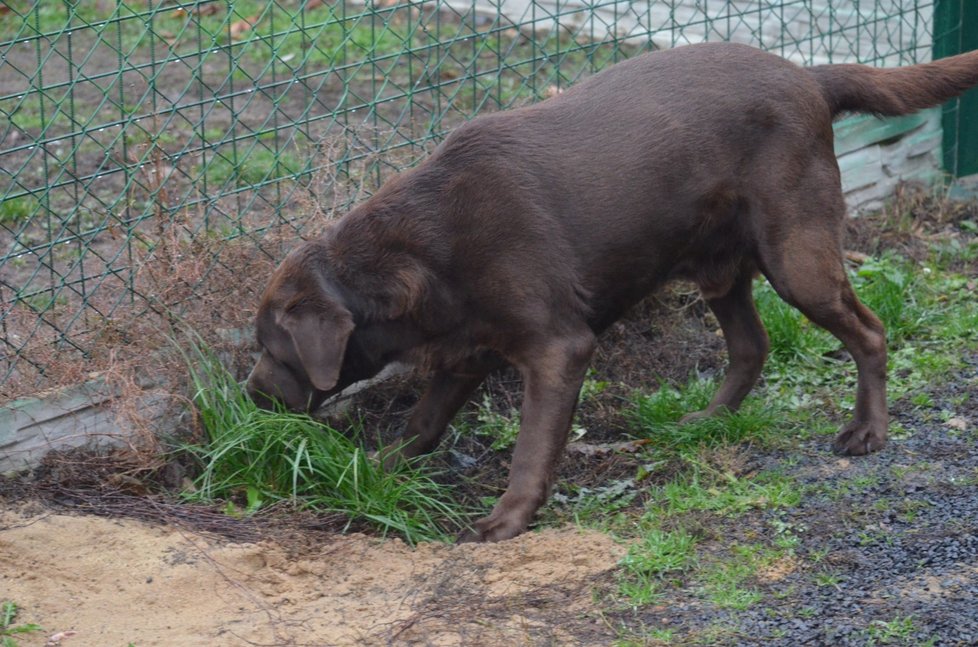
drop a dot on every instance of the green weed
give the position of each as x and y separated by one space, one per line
8 615
503 429
897 631
592 388
598 502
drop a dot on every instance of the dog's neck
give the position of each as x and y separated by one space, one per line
390 253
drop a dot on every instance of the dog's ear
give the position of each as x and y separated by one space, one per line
320 332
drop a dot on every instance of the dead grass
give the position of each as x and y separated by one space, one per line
913 218
181 277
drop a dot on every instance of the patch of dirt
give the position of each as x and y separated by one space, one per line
121 581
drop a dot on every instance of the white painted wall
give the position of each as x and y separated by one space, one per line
882 32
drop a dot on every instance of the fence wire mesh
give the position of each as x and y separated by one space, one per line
142 138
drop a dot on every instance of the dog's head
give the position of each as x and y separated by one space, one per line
303 328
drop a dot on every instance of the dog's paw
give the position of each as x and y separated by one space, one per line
859 439
492 528
703 414
693 416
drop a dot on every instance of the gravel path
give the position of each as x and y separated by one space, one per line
888 544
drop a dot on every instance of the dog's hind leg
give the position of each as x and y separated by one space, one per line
447 392
747 345
806 269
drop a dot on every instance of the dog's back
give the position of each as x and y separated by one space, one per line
653 163
665 160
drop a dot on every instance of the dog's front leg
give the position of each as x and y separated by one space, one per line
447 392
553 372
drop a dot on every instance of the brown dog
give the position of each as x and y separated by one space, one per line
528 232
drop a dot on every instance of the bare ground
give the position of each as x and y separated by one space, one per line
122 581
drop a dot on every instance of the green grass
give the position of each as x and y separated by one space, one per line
898 631
723 494
256 166
794 339
15 211
8 628
656 416
890 286
663 547
319 36
726 580
651 637
826 579
657 554
253 458
284 31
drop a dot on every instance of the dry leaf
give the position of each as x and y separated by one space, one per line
200 10
240 27
552 91
55 639
627 447
168 37
958 423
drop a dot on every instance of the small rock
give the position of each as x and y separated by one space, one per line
957 423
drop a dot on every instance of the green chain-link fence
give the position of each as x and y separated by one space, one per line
164 132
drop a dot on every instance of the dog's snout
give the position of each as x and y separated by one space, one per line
257 387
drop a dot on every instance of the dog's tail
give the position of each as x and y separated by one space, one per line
898 90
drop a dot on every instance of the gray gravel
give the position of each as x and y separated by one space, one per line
903 545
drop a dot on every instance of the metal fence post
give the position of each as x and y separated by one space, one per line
956 31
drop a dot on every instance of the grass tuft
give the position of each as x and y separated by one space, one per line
723 493
656 416
270 456
658 554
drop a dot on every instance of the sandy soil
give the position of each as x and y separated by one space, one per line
123 582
